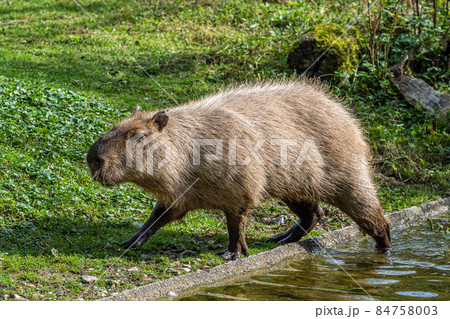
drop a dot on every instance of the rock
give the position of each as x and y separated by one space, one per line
132 269
395 103
188 253
146 256
24 283
214 245
324 49
18 297
88 279
185 269
174 271
280 220
137 224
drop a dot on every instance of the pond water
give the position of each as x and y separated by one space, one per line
417 268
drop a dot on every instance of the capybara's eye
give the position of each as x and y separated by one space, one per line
98 161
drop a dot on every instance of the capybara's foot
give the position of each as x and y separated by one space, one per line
233 255
229 255
220 253
384 245
384 250
278 237
132 243
295 233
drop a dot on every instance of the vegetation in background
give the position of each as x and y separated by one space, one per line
67 79
411 147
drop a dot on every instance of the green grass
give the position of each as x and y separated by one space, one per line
64 82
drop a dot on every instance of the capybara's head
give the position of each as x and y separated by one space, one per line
107 158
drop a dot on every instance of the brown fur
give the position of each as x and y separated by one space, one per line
300 110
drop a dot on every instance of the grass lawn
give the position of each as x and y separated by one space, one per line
66 75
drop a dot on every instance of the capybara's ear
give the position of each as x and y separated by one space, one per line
160 120
136 110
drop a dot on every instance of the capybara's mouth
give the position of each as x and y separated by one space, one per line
106 183
98 177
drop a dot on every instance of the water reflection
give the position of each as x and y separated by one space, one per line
420 294
380 281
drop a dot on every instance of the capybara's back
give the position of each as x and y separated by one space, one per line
289 140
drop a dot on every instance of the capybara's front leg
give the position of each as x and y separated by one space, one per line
159 217
236 222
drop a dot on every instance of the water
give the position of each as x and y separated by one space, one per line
417 269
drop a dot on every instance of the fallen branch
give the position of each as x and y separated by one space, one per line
416 91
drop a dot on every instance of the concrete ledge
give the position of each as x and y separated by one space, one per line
232 270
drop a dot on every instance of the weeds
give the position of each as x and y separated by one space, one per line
66 83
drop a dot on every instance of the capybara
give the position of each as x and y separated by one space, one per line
284 139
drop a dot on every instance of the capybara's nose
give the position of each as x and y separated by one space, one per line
98 161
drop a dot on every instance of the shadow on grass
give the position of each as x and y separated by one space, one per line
46 236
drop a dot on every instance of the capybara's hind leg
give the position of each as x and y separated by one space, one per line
160 216
236 222
309 215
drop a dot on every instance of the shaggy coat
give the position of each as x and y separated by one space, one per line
230 151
